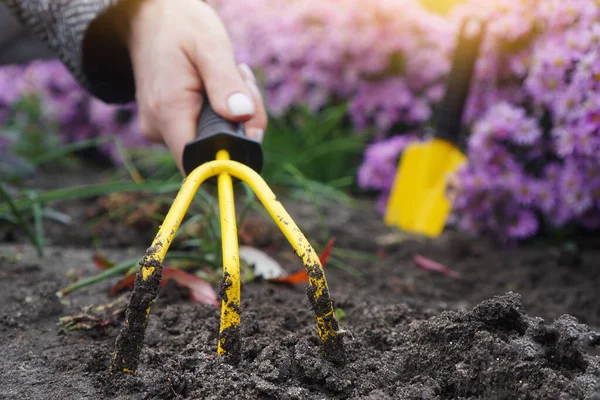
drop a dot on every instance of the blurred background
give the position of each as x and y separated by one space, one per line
16 44
354 83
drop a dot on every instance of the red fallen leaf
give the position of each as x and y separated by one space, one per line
327 251
293 279
301 276
200 290
430 265
102 262
124 283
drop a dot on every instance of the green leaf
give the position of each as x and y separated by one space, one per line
18 216
38 222
323 145
93 191
67 149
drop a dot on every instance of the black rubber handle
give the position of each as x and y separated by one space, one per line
449 121
215 133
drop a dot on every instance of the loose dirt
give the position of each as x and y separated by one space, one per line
519 323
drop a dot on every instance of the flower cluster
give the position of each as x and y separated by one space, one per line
534 118
533 113
381 56
79 116
534 146
498 192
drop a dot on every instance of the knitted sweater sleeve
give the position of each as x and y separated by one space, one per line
84 35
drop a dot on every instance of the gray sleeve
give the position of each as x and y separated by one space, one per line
83 34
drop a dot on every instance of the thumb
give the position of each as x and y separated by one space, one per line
228 94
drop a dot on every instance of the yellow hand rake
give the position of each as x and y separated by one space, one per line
222 150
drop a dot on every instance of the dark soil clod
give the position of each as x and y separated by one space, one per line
332 341
411 334
229 336
131 337
230 343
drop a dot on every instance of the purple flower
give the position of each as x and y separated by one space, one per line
380 163
572 186
560 215
522 225
469 224
435 93
591 112
310 53
525 191
475 181
419 111
527 133
545 85
564 141
566 105
545 196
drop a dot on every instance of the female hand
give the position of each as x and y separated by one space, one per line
178 50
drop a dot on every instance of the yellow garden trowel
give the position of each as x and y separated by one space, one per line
418 202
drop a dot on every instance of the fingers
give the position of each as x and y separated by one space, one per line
175 62
175 125
168 99
181 130
213 56
255 126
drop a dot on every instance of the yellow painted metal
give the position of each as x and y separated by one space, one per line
318 292
181 204
129 341
408 174
230 303
417 201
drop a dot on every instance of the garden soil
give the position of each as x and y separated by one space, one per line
518 323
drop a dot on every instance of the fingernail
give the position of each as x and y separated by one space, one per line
256 134
239 104
248 72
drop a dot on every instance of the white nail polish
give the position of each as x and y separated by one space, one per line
239 104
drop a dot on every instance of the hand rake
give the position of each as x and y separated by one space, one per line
223 150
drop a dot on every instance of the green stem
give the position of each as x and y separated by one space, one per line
38 223
334 262
66 149
19 217
119 269
128 164
94 190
